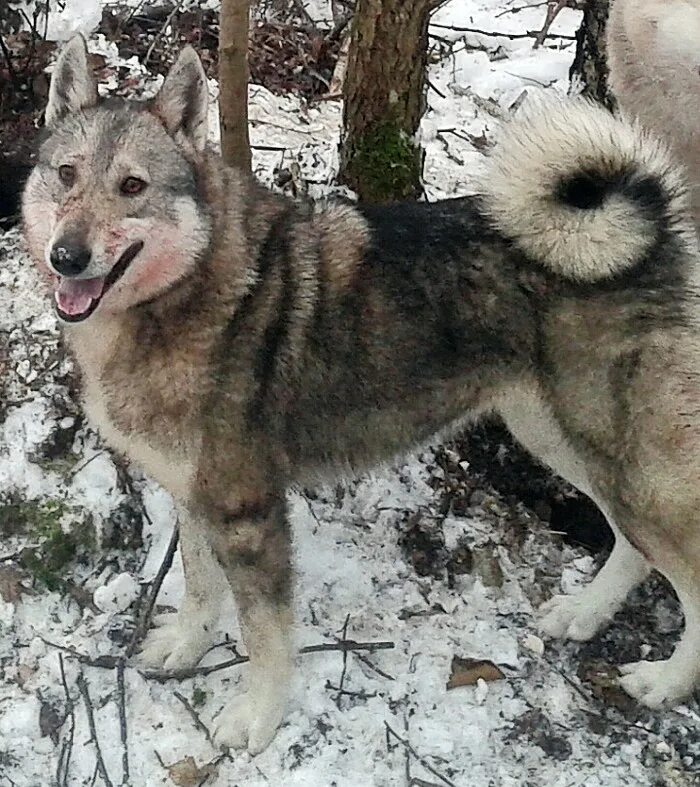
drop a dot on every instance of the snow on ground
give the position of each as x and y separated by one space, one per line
394 722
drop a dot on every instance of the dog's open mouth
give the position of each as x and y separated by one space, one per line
77 299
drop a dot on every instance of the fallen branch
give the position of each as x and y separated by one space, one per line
182 674
144 619
104 662
417 756
102 769
126 777
499 34
198 723
67 750
343 640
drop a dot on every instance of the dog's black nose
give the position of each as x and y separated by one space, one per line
69 258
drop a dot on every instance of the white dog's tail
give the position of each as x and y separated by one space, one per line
583 192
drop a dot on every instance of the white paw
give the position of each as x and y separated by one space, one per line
176 643
657 683
572 617
249 722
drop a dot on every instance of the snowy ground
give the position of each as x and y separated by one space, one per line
383 719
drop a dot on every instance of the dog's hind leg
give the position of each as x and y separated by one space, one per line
252 543
667 681
181 639
581 615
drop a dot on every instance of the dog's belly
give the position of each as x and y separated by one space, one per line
170 469
533 424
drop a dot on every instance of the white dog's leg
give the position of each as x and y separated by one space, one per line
181 639
581 615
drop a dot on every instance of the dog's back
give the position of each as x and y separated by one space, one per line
654 58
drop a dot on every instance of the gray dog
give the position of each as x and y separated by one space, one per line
234 343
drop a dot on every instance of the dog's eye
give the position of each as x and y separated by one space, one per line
66 175
132 186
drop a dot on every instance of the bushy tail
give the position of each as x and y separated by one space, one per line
583 192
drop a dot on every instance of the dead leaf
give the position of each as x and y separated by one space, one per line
50 721
186 772
11 587
466 672
24 674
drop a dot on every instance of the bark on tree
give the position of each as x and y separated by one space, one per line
384 95
590 63
233 82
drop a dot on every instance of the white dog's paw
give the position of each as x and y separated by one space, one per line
176 643
249 722
657 683
572 617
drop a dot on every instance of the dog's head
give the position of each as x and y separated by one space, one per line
111 210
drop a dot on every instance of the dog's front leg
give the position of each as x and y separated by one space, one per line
181 639
252 542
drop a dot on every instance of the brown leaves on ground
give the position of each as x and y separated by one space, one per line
466 672
186 772
11 587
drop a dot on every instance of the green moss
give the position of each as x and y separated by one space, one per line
385 165
56 548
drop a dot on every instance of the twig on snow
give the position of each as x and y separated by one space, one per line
501 34
104 662
67 750
372 666
343 639
198 723
391 732
182 674
126 776
89 709
519 8
145 614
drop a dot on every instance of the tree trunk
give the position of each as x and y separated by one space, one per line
233 83
590 64
384 95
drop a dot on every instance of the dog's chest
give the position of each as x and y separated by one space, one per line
143 416
171 467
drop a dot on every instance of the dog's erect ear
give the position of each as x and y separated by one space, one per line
73 87
182 102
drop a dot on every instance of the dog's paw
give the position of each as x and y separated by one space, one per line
250 722
656 683
176 644
572 617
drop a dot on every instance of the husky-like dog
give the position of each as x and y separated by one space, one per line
654 58
234 343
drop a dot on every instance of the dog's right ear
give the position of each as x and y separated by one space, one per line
73 87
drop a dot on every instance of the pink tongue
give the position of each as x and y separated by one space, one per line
74 296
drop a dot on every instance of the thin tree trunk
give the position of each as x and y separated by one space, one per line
590 63
384 95
233 83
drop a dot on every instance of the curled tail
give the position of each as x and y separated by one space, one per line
585 193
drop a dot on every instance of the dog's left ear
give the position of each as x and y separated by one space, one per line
182 102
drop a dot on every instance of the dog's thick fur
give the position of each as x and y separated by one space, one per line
654 58
254 343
